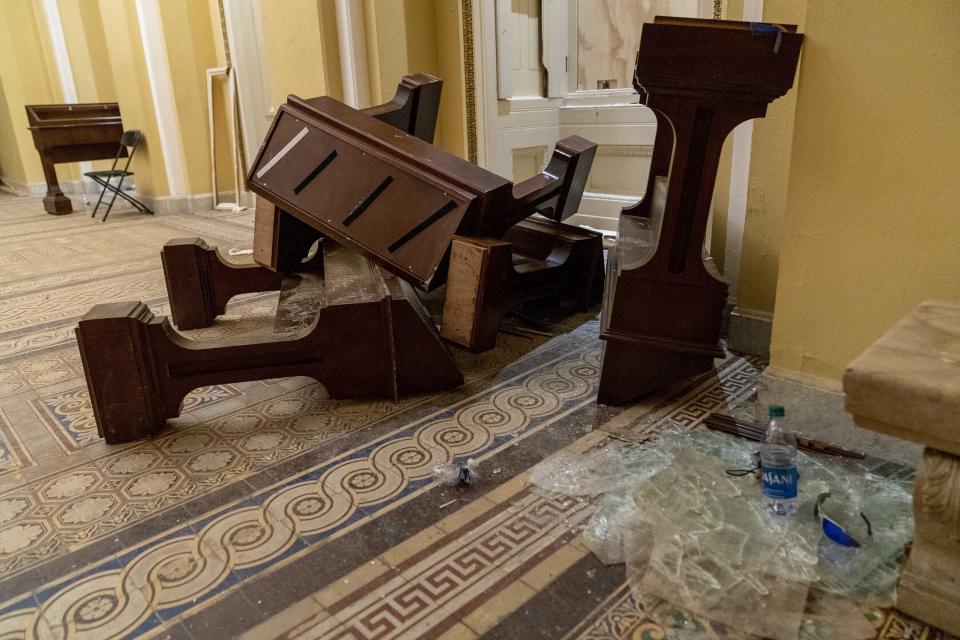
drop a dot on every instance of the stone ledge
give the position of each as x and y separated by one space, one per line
908 382
815 408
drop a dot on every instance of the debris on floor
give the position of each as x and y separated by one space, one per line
704 541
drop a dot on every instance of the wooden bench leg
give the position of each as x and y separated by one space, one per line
631 370
118 364
200 282
139 369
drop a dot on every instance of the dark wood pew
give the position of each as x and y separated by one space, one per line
388 206
200 281
663 301
506 261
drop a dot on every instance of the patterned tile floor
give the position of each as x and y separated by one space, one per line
267 510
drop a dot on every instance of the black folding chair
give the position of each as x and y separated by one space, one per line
128 142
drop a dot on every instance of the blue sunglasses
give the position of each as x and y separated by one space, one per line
833 529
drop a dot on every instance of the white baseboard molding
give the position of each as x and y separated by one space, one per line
815 407
32 190
749 332
171 205
601 223
827 385
69 187
162 205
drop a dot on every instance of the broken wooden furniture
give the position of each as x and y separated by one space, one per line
489 255
410 203
358 330
907 385
663 301
72 133
200 281
388 205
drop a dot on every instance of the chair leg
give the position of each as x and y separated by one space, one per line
139 206
100 199
115 190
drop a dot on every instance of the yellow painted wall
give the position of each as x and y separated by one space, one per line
873 211
767 186
87 51
11 165
128 66
414 36
453 106
26 79
292 31
331 49
87 47
189 37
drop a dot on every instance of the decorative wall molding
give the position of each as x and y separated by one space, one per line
39 189
352 39
171 205
470 79
528 161
749 332
61 55
626 150
161 87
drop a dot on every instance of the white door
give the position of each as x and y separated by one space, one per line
547 69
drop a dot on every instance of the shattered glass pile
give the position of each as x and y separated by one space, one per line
704 541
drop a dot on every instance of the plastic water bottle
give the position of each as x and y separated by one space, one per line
452 474
778 457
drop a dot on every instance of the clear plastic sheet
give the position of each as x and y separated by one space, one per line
614 467
824 619
615 517
705 543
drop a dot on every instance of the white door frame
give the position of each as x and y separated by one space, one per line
610 118
508 124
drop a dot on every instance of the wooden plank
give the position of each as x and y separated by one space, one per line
476 288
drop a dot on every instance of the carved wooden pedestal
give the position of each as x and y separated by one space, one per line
364 334
663 302
907 384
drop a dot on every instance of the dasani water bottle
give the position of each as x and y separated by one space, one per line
778 457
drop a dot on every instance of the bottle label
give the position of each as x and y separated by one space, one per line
780 483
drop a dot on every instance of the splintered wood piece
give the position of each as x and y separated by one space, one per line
476 290
537 259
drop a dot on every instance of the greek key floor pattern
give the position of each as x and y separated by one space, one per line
268 510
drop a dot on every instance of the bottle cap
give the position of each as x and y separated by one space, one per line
776 411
